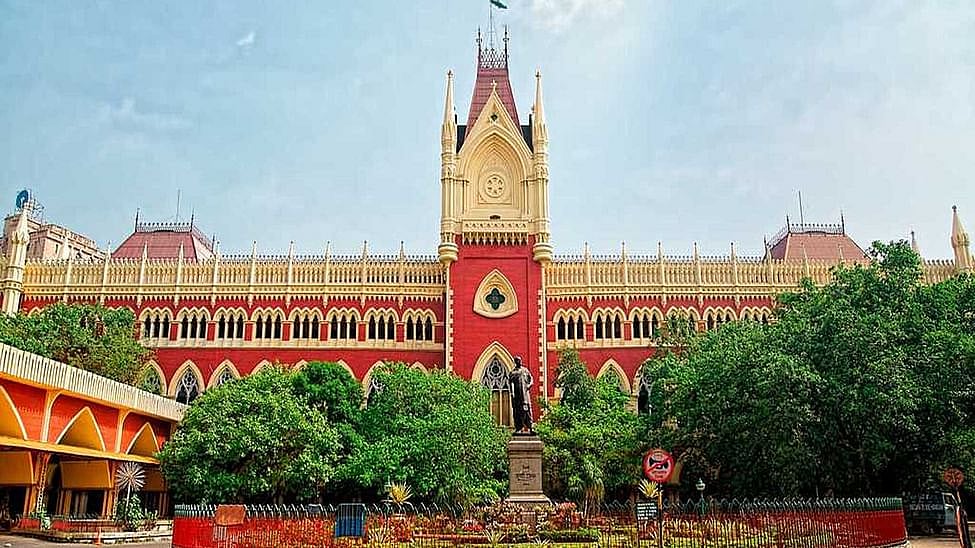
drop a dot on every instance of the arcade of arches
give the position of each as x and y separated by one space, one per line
63 433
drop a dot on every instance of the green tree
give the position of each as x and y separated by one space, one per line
861 386
433 432
330 389
251 441
590 436
88 336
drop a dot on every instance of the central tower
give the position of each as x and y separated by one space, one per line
494 171
494 229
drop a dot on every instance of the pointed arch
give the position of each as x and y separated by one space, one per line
303 312
11 423
495 348
613 367
367 378
218 371
299 365
261 365
162 376
82 431
346 366
144 443
197 311
187 365
419 367
497 286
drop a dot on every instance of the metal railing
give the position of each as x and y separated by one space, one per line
834 523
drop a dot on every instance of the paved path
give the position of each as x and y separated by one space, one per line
934 542
8 541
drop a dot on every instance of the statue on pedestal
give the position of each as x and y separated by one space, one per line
520 382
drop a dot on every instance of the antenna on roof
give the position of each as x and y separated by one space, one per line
802 220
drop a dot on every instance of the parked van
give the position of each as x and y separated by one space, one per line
930 512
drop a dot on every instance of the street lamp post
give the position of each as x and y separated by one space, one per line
700 490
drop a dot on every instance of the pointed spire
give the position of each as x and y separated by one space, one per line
448 108
402 249
539 108
291 250
21 233
957 230
181 255
254 249
365 249
137 219
914 245
328 249
585 250
145 251
960 243
733 255
660 251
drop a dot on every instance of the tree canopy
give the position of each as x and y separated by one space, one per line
297 436
89 336
590 436
251 440
433 431
862 386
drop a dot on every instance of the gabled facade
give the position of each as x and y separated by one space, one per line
493 291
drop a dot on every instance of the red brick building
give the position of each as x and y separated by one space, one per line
494 290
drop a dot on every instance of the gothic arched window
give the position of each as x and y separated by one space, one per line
495 379
188 387
643 406
152 382
225 376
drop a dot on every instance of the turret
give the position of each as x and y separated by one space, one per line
13 283
960 244
542 250
447 250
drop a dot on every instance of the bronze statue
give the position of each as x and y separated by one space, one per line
520 382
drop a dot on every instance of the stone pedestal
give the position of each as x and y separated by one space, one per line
525 470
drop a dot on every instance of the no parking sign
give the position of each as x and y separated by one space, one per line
658 465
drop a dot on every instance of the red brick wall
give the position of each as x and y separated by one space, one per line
472 332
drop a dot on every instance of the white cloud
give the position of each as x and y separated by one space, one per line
558 15
247 40
128 117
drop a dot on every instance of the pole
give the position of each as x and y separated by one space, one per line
802 220
660 517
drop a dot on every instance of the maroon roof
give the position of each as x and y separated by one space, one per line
815 242
492 67
163 241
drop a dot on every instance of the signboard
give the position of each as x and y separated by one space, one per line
647 511
953 477
658 465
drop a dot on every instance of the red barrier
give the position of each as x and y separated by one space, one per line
754 525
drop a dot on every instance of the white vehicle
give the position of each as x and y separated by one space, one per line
930 512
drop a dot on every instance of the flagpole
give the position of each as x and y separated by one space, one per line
491 24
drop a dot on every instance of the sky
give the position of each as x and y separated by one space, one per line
678 122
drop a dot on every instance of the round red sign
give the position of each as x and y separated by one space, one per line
658 466
953 477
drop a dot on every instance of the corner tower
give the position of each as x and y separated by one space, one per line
494 229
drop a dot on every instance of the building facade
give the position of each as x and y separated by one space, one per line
495 288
